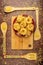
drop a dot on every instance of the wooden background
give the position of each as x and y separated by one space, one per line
7 17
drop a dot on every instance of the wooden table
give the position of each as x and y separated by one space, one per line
37 44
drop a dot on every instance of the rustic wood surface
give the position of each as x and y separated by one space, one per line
7 18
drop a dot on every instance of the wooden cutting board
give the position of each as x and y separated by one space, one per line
20 42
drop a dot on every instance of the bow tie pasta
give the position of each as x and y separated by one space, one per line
23 25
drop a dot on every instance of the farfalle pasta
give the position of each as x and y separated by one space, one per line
20 18
23 31
16 26
23 25
29 19
30 27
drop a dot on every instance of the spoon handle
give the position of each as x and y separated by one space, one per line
37 18
4 43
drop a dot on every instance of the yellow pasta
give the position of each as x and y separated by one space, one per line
29 19
23 24
28 33
23 31
16 26
20 18
30 27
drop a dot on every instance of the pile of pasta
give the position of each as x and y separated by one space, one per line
23 25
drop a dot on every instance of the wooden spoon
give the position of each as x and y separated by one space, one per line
9 9
29 56
4 30
37 34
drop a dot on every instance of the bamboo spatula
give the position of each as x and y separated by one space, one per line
4 30
37 34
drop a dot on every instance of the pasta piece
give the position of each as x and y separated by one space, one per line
29 19
20 18
23 31
30 27
23 24
16 26
28 33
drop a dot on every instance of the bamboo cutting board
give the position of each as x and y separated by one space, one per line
20 42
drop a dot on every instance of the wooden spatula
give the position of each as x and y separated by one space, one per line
37 34
29 56
4 30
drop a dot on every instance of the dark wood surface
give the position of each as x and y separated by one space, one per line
7 18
